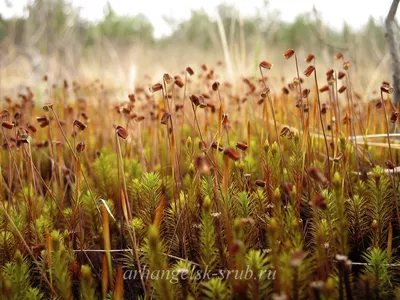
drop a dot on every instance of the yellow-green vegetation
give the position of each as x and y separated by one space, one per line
200 188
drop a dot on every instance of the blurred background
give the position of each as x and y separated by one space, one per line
119 41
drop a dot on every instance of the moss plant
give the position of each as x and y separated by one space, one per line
208 254
87 285
60 266
295 183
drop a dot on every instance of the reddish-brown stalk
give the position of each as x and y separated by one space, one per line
332 116
337 107
322 124
50 107
176 169
358 116
300 94
183 104
201 136
10 170
13 160
282 160
29 166
62 132
132 234
121 165
391 158
301 107
221 108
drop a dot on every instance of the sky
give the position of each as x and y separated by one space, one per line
333 12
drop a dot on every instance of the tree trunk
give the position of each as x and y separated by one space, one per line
392 40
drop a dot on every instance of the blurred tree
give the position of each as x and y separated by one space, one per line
375 33
51 25
199 30
54 28
3 28
125 29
